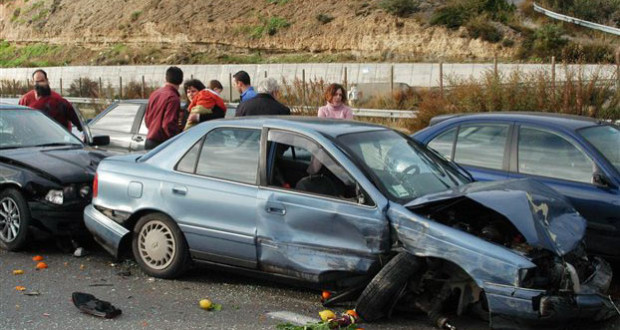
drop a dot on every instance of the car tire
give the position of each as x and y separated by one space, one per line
382 290
159 246
14 219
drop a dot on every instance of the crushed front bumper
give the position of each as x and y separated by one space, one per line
509 304
63 219
106 231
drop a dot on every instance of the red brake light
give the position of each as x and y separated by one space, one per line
95 186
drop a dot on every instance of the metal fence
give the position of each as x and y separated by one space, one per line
577 21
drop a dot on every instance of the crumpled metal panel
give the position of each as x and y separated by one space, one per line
483 261
544 217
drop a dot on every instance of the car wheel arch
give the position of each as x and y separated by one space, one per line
130 224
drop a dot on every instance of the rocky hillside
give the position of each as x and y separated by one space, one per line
39 32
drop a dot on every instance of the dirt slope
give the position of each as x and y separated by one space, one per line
168 30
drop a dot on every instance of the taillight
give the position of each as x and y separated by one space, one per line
95 186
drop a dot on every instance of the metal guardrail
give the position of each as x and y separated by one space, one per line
577 21
360 112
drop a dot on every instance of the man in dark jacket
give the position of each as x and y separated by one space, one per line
163 110
265 102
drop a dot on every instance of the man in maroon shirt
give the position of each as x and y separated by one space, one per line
163 110
49 102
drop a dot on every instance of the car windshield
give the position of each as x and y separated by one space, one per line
402 169
606 139
23 128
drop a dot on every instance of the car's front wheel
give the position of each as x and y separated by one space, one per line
14 219
159 246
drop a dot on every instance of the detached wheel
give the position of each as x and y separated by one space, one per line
159 246
382 290
14 219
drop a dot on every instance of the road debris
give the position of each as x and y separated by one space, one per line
87 303
18 272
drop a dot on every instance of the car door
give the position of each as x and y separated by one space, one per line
213 188
560 162
119 122
481 148
138 139
317 227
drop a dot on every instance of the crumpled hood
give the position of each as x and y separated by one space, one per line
543 216
65 165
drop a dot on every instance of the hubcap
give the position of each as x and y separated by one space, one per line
9 219
156 245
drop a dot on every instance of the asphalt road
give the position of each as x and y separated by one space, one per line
149 303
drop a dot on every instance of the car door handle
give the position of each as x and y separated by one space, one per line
275 210
138 138
179 191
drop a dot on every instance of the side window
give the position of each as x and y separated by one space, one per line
444 142
481 145
188 162
119 119
547 154
230 154
298 163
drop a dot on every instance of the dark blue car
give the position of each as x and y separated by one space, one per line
577 156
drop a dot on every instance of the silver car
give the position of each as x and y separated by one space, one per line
352 207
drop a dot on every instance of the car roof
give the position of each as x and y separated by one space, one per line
4 106
552 119
326 126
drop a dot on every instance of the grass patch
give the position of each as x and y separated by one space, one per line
28 56
269 26
135 15
401 8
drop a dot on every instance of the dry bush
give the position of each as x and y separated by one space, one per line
84 87
304 103
13 87
401 99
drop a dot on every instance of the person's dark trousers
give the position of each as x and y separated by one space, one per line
150 144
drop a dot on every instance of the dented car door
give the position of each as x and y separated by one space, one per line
319 227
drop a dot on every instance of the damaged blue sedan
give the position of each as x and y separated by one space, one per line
355 208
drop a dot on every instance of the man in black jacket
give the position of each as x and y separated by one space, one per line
265 103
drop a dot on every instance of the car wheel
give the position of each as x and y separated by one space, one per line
382 290
159 246
14 219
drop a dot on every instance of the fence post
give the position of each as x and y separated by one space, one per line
553 77
28 84
100 89
303 85
392 79
80 86
265 73
346 78
144 88
120 88
495 71
441 79
60 86
618 70
230 87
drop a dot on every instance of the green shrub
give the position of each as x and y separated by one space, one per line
324 18
16 13
481 28
548 41
400 8
451 17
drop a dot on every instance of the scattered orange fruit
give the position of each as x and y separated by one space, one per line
326 295
353 313
37 258
41 265
18 272
327 315
20 288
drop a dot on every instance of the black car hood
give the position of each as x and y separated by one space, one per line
543 216
60 164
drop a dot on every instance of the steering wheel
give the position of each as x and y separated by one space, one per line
414 169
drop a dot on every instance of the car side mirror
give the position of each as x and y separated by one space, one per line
601 180
101 140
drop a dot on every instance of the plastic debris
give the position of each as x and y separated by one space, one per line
87 303
80 252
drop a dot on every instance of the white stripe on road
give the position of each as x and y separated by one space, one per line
292 317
